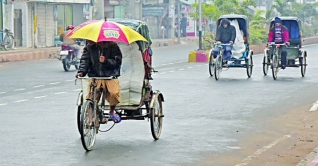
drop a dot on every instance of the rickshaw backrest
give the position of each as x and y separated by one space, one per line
293 29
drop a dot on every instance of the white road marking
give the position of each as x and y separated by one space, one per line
38 97
181 69
38 86
314 106
199 65
3 104
164 64
68 80
59 93
19 101
171 71
3 92
53 83
309 45
190 67
171 63
163 73
262 150
19 89
182 62
77 89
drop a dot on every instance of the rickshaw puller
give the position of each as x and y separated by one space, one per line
103 59
225 34
279 34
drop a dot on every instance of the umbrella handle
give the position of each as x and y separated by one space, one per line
105 18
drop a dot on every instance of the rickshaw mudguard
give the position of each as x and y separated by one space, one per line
80 99
156 94
304 54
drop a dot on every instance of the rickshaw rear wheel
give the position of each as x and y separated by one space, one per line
211 66
249 66
275 66
156 118
265 65
303 63
88 129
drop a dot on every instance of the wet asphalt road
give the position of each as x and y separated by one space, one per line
38 112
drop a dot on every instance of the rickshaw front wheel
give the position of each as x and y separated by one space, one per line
87 128
275 66
211 65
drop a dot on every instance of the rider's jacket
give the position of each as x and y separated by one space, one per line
67 40
278 35
90 64
225 35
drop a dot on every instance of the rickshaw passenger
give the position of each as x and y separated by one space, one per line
225 34
103 59
279 34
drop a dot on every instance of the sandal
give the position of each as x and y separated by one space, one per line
116 118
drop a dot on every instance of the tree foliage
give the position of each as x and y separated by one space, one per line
259 21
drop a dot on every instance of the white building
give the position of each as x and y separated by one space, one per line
35 23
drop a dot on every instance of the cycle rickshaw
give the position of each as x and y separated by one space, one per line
241 54
138 100
295 56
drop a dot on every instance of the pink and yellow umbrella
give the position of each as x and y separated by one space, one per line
100 30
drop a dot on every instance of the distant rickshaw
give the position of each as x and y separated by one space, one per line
241 56
295 56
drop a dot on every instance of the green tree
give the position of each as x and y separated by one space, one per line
283 7
258 32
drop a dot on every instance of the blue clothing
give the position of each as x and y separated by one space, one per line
227 52
183 22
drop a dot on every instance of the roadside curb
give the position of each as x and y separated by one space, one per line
257 49
29 55
311 159
52 52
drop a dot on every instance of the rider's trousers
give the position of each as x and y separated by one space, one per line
283 53
226 54
77 50
110 89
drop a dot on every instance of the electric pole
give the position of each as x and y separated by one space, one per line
200 24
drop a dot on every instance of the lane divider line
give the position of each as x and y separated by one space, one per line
19 89
38 97
77 89
58 93
3 104
68 80
19 101
38 86
2 93
53 83
314 106
262 150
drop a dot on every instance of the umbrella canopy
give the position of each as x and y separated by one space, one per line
100 30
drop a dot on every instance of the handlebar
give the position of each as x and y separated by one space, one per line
222 44
96 78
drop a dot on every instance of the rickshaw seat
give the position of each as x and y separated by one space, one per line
295 42
131 79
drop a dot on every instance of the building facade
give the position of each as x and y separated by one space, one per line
36 23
